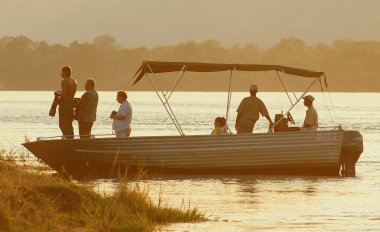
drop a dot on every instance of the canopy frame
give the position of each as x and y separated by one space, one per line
153 67
165 101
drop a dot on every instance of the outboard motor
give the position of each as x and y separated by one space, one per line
352 148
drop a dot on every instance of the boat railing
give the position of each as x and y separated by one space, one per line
321 128
76 137
330 127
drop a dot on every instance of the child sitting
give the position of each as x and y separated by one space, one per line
220 126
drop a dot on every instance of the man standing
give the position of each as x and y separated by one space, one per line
66 103
86 109
311 118
122 118
248 112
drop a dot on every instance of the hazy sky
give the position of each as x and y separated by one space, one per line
162 22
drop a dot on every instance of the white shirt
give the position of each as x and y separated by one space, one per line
311 118
125 109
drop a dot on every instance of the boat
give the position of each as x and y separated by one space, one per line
323 152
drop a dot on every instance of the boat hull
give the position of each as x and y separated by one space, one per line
295 153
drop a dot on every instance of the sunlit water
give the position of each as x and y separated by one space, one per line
234 203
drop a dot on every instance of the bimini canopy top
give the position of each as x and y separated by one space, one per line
163 67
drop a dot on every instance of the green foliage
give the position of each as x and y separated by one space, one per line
35 65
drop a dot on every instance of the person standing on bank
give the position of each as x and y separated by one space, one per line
248 112
121 123
86 109
311 118
66 103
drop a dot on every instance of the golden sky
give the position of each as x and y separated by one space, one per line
160 22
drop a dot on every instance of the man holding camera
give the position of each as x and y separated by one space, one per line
86 109
66 103
121 123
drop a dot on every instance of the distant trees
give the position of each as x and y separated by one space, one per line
35 65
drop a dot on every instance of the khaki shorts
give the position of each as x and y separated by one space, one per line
245 125
123 133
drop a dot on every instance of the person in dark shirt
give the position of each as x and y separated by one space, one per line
86 109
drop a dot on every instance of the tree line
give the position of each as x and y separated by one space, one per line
35 65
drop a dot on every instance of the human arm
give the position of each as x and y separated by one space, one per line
270 122
264 112
268 118
83 100
122 113
240 113
118 117
237 120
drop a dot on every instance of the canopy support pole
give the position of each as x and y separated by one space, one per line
178 79
286 91
229 97
328 93
165 103
293 105
291 86
327 105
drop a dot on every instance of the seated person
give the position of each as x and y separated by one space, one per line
220 126
311 119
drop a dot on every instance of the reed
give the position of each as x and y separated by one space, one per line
34 201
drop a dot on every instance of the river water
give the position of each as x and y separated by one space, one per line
233 203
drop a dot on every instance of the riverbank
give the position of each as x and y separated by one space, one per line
34 201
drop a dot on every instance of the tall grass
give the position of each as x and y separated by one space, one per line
22 157
40 202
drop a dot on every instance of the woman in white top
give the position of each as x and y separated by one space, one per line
121 123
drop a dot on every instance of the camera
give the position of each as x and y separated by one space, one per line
76 100
113 113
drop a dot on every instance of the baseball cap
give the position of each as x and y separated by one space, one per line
254 88
309 97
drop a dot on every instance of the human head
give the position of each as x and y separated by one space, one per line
121 96
66 71
90 84
220 122
253 89
308 100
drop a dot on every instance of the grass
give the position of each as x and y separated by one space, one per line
34 201
23 158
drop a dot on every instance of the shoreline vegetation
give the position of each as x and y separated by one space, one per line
31 200
26 64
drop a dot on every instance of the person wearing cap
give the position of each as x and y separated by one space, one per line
311 118
249 112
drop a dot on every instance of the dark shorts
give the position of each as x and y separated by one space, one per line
66 117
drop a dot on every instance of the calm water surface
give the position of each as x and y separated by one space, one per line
235 203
